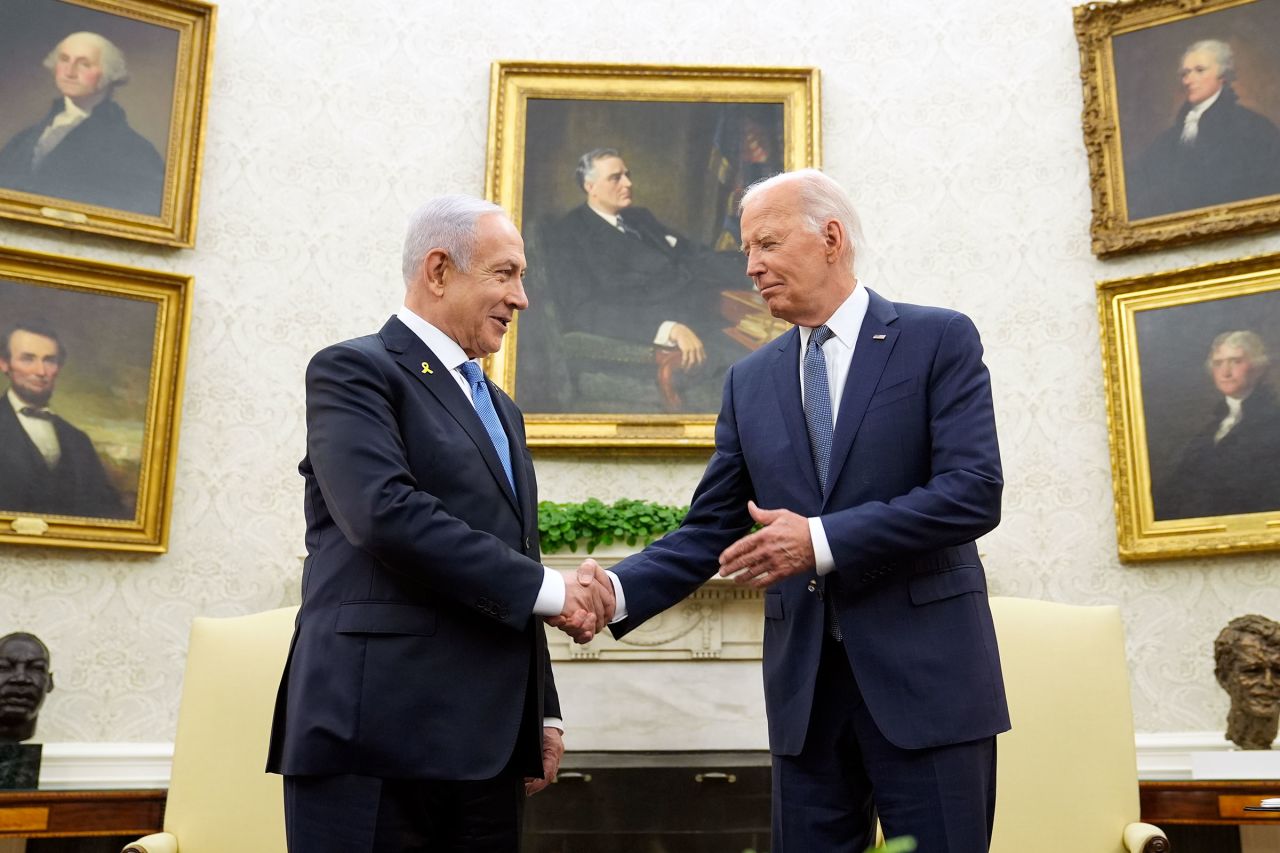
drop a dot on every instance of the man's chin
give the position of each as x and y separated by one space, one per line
33 398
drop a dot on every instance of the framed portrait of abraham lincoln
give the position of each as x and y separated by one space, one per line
1181 119
91 357
625 180
102 112
1192 364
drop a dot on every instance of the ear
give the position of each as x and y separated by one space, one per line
433 271
834 239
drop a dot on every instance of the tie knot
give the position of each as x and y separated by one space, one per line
821 335
472 372
33 412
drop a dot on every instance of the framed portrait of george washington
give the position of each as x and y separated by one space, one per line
1181 119
92 357
102 113
625 180
1193 400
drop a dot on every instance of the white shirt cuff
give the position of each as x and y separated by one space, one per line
823 560
550 600
553 723
663 338
619 599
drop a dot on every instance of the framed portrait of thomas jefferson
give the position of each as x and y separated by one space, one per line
102 111
1181 119
625 182
91 361
1192 363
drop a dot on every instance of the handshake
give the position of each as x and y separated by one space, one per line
588 602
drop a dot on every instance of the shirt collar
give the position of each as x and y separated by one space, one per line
445 347
611 218
847 319
19 405
1234 404
70 108
1198 109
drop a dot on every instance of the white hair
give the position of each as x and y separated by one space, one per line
1222 54
1248 341
449 223
821 200
114 70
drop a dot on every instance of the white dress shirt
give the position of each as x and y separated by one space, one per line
1191 124
40 431
1234 413
62 124
838 354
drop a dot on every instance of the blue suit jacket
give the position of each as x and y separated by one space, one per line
914 479
416 654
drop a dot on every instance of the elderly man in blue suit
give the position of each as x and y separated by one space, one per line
864 442
417 707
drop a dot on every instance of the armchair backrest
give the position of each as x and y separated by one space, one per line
1067 772
220 797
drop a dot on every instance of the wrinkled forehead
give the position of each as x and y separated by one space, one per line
1230 351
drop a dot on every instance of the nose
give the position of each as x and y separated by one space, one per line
755 266
518 299
626 181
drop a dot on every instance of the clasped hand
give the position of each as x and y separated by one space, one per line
588 602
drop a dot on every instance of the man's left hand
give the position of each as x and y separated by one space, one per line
781 549
552 752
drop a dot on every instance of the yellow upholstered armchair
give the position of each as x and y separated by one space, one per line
1067 779
220 798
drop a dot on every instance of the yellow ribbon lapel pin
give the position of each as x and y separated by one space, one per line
426 368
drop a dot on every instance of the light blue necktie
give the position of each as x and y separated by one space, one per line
489 416
817 415
817 404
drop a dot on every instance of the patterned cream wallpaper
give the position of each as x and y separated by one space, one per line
955 125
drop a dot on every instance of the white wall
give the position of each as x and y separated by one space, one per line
957 128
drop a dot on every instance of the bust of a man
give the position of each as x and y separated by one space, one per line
24 680
1246 657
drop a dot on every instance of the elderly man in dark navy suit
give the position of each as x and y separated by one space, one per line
864 443
418 707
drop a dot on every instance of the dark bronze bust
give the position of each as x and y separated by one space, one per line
1246 657
24 680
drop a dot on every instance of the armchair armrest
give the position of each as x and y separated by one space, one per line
159 842
1145 838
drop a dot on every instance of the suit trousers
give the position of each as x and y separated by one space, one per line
365 814
827 798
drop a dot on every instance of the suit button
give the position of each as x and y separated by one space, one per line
813 585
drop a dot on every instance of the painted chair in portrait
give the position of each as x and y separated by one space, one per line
1067 776
562 370
220 796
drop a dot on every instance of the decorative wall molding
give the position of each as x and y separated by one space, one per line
1161 756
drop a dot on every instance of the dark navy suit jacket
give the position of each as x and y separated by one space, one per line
416 654
915 478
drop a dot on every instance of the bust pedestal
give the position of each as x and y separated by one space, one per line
19 765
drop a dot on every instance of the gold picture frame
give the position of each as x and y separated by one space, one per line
1175 155
1194 474
587 370
131 168
95 355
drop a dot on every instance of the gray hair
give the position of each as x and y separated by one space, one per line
821 200
449 223
586 167
114 69
1248 341
1222 54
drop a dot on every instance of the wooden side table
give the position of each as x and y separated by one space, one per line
1207 802
62 814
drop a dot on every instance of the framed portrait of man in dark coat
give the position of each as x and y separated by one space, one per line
1182 119
101 114
1191 359
91 360
625 182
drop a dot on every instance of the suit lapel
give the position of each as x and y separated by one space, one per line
417 358
786 381
875 343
